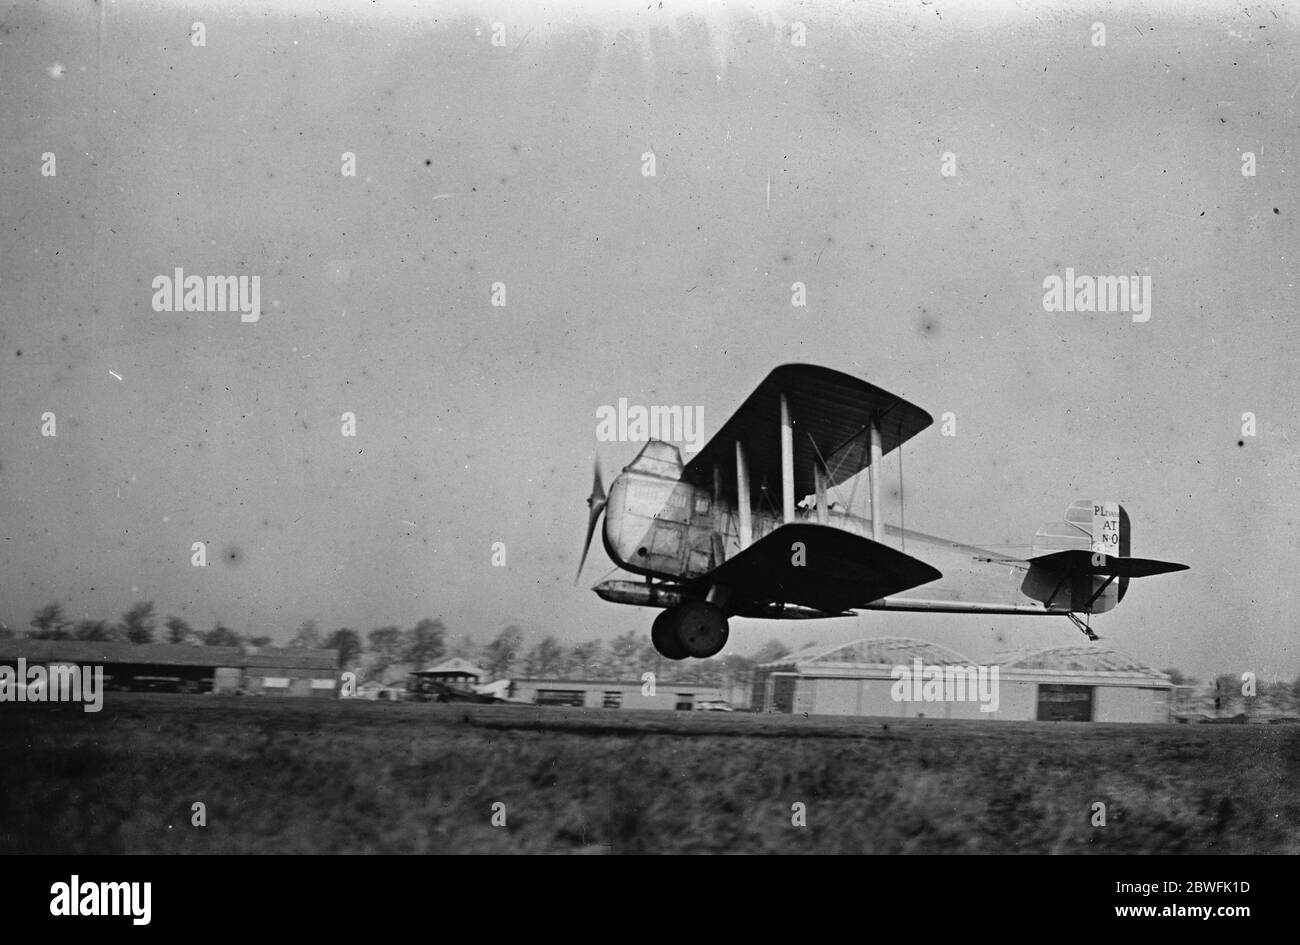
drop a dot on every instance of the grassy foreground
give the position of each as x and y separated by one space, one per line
282 776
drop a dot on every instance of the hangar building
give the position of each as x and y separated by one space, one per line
165 667
899 677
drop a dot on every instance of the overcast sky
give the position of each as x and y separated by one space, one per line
522 164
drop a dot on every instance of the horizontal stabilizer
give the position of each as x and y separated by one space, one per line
822 567
1079 561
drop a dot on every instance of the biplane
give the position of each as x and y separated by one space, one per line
706 550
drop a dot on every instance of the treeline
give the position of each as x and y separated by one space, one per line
625 656
508 655
137 625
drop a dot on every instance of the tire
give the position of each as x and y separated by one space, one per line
700 628
663 634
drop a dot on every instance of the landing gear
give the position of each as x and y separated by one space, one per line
695 628
664 636
701 628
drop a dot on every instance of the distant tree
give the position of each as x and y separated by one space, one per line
94 630
259 641
706 672
502 654
771 651
49 623
625 655
464 646
681 671
605 663
307 637
178 631
385 647
737 671
648 659
7 632
546 658
221 636
348 643
583 660
566 668
598 660
138 623
426 642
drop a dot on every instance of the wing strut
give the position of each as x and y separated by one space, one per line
819 475
743 508
787 463
877 524
902 520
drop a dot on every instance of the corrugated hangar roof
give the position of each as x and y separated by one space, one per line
879 651
1079 658
455 666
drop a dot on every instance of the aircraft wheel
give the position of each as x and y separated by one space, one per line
701 628
663 634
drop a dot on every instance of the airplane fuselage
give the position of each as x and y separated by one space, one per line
675 531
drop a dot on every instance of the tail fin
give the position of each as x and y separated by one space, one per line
1096 526
1090 524
1084 560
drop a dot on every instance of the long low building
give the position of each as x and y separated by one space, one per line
613 694
903 678
166 667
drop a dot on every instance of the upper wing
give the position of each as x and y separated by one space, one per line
839 570
830 412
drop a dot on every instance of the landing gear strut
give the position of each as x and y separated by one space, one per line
695 628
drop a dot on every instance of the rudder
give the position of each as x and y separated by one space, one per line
1097 525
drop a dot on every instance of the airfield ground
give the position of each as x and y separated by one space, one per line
283 775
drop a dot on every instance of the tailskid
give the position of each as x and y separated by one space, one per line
1083 625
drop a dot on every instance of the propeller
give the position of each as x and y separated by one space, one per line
595 505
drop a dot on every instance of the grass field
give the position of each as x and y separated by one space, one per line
333 777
